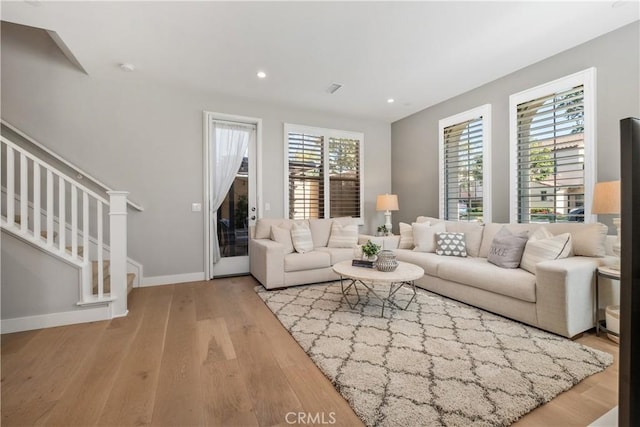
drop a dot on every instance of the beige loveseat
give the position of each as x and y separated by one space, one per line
275 266
558 298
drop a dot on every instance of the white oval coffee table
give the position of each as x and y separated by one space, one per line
404 275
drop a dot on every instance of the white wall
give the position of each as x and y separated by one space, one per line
146 138
415 139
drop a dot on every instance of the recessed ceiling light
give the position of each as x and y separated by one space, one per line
391 100
261 74
127 67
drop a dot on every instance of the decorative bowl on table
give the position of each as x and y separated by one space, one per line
387 261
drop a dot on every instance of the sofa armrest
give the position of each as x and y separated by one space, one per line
565 294
266 262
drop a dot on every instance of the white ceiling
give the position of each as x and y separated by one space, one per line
419 53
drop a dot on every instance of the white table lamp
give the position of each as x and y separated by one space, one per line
606 200
387 203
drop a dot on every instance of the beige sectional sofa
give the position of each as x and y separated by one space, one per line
558 298
275 266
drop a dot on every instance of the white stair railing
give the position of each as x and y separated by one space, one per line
25 176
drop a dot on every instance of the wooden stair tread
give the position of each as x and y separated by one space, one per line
44 233
105 265
131 277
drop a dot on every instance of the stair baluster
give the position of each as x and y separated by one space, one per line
112 273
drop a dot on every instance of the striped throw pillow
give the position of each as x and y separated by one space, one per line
406 236
343 236
544 246
301 236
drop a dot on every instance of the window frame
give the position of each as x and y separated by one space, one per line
483 111
326 134
586 78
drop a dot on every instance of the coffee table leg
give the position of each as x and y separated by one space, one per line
393 289
345 291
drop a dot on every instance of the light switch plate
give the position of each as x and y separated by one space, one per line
196 207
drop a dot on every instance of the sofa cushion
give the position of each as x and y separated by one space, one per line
506 249
306 261
282 235
339 254
544 246
586 239
406 236
301 237
263 226
480 273
472 232
343 236
424 236
451 244
428 261
320 231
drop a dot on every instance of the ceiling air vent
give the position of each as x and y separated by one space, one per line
333 87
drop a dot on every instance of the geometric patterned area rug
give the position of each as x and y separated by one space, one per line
440 362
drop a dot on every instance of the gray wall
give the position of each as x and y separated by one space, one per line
415 139
35 282
146 138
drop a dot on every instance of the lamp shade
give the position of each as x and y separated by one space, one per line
387 202
606 198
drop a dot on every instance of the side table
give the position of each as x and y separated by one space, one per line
607 273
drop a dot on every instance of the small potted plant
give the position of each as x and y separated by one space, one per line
382 230
370 250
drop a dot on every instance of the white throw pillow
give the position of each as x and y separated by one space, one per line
343 236
544 246
301 237
282 235
406 236
424 236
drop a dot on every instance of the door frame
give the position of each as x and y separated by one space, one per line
207 117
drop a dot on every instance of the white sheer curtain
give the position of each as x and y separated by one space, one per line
229 143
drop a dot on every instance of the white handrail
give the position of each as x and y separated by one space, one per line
69 164
47 166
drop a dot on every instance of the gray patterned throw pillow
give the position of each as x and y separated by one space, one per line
451 244
506 248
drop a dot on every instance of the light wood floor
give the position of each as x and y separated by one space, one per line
203 353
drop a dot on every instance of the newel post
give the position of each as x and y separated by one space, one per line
118 253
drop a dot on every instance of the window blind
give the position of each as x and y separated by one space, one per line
344 177
306 176
550 157
463 170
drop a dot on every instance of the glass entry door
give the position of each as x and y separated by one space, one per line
231 143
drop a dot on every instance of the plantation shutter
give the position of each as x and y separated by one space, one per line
306 176
550 157
344 177
463 172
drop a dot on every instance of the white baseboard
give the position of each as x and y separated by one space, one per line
169 280
28 323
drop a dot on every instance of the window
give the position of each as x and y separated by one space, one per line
465 165
552 150
324 178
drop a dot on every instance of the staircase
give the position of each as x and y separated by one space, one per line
59 215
